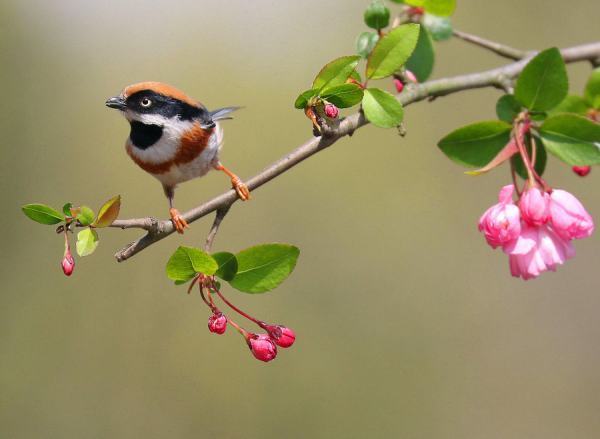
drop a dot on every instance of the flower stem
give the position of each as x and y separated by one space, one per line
236 309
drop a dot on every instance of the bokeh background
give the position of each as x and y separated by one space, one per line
408 324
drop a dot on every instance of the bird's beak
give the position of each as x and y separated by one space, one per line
117 102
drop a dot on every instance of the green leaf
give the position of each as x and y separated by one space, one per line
422 59
443 8
336 72
228 265
592 89
392 51
67 209
302 100
572 104
264 267
477 144
540 160
42 214
343 96
87 241
187 261
507 108
381 108
377 15
573 139
108 212
440 28
365 43
85 216
543 83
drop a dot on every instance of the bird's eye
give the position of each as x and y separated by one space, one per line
146 102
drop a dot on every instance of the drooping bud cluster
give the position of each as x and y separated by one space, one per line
262 345
536 233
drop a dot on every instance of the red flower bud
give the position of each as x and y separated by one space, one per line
217 323
582 171
68 263
331 111
399 85
262 347
281 335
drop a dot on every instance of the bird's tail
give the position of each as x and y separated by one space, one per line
222 113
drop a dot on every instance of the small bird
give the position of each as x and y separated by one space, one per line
173 137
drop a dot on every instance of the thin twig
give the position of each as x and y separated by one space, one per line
219 216
157 230
497 48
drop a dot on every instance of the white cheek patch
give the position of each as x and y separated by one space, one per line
166 147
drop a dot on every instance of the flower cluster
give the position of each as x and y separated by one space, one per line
536 232
262 345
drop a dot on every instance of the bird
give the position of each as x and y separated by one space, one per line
173 137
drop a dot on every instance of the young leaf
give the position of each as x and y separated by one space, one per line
381 108
392 51
591 92
67 209
187 261
264 267
40 213
302 100
85 216
540 160
422 59
572 104
573 139
87 241
377 15
336 72
477 144
543 83
440 28
228 265
343 96
507 108
505 153
443 8
365 43
108 212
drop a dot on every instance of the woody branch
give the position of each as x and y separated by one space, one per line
498 78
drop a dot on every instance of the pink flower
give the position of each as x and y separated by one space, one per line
537 250
569 218
262 347
582 171
534 206
217 323
68 263
501 223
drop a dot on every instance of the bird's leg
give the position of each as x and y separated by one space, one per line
239 186
178 222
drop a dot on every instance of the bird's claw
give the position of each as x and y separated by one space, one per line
241 189
178 222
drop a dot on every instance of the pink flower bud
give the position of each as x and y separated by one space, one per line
569 218
331 111
501 223
410 76
68 263
534 206
281 335
399 85
262 347
217 323
582 171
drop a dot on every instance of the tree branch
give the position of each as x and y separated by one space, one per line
497 48
157 230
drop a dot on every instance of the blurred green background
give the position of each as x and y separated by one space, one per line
408 324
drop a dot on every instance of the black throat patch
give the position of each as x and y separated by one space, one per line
144 136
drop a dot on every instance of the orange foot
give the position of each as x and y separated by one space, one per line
241 188
178 221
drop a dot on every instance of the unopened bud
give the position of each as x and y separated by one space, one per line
582 171
331 111
68 263
262 347
410 76
399 85
217 323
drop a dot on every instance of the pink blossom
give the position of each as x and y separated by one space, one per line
569 218
282 335
501 223
68 263
217 323
262 347
534 206
537 250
